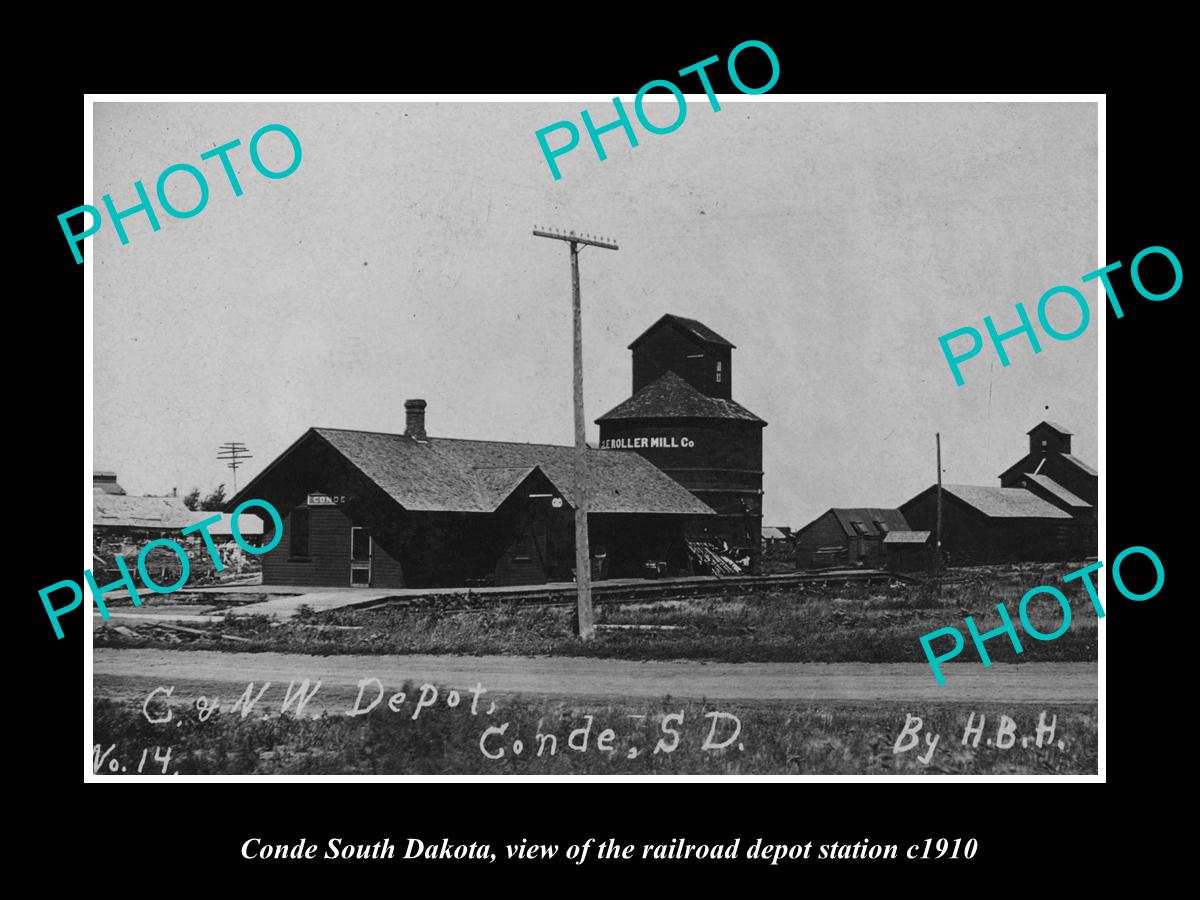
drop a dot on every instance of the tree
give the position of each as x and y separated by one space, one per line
215 500
192 498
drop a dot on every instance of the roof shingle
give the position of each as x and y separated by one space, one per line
670 397
123 511
1079 462
1057 490
893 519
455 475
696 329
1005 503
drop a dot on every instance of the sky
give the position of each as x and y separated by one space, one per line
831 243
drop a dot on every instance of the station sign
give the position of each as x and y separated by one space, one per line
328 500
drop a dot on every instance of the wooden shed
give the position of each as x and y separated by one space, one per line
996 524
909 551
847 537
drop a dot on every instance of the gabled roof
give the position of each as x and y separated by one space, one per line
868 516
771 533
1025 462
892 518
1079 462
907 537
670 397
1054 426
495 484
697 330
1049 484
1005 503
453 475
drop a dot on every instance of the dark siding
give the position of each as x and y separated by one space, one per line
386 572
328 562
1073 478
1055 442
824 531
909 557
969 537
523 560
670 349
1066 473
722 467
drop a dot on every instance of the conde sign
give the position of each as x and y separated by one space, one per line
144 206
622 120
126 580
1085 315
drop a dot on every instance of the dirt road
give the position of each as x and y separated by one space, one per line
132 674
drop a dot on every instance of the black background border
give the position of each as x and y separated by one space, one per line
1040 824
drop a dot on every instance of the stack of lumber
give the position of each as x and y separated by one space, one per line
707 556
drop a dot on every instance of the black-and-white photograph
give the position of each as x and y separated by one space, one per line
539 438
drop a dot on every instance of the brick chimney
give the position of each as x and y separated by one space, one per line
414 419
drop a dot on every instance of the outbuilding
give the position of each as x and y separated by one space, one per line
123 524
908 551
847 537
982 525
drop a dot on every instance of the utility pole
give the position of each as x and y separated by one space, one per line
937 559
583 556
235 452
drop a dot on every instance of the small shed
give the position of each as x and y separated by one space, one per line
909 551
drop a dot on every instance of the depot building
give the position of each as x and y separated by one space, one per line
678 461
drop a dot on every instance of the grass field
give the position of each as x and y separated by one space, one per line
795 624
771 739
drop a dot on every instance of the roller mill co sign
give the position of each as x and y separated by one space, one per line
639 443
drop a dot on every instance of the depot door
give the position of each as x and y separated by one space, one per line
360 557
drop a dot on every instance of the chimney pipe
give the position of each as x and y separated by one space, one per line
414 419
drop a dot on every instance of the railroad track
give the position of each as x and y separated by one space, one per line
649 591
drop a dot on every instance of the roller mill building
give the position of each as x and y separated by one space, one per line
682 417
678 461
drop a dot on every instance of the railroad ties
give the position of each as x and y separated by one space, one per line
637 592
